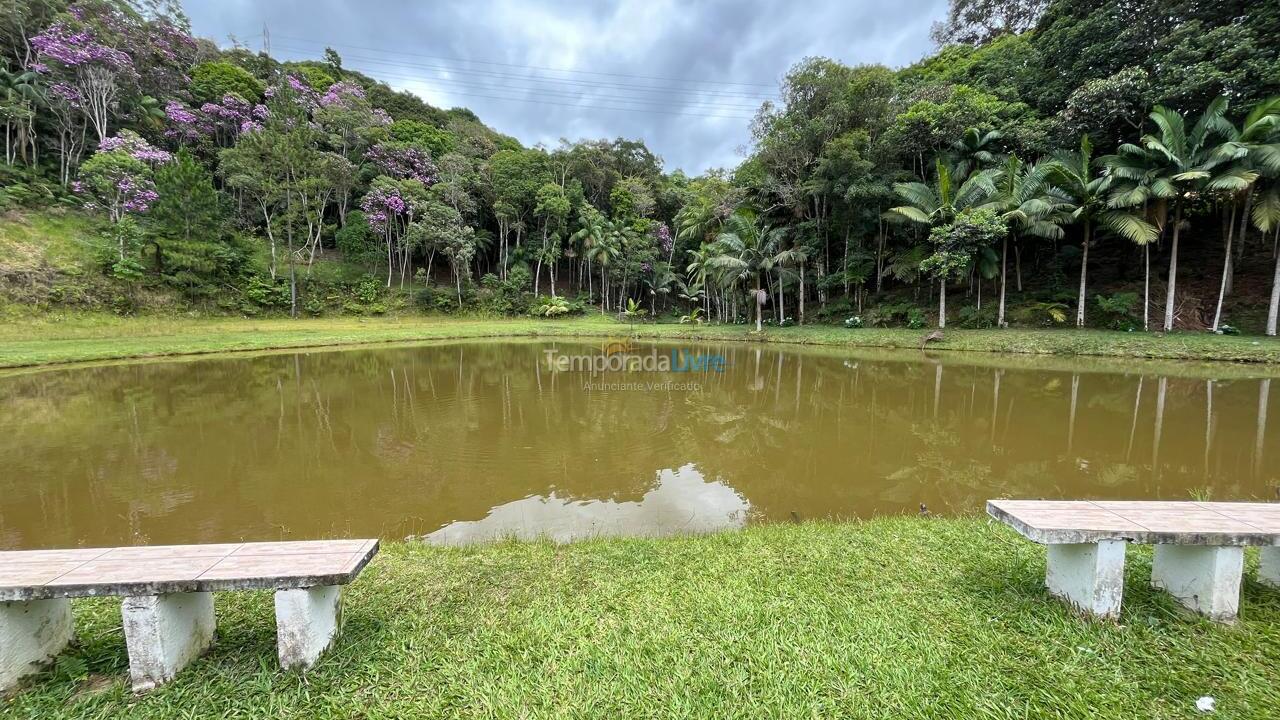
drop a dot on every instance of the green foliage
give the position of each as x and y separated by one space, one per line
318 79
1116 311
185 227
546 306
356 240
506 297
424 135
956 244
210 81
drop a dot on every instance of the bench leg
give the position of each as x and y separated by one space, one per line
307 621
1089 576
165 632
1269 566
31 633
1204 578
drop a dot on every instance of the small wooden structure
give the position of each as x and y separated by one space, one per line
168 602
1199 548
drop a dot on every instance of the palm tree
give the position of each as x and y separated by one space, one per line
1173 164
746 250
591 231
973 151
938 204
1029 205
697 272
1075 173
1265 216
604 251
19 96
1259 136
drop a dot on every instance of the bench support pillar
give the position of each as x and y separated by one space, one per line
32 632
165 632
307 621
1204 578
1088 576
1269 566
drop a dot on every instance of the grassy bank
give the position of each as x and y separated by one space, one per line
891 618
79 338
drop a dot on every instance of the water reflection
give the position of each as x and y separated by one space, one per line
482 439
681 502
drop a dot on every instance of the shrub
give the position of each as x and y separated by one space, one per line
546 306
1115 311
356 240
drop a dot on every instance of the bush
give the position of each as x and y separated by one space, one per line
1115 311
210 81
442 299
970 317
356 240
916 318
546 306
506 297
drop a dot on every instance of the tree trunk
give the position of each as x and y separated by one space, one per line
1274 306
1146 287
1226 271
801 318
942 303
1173 268
1017 265
756 297
1084 270
1004 264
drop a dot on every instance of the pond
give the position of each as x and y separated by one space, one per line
466 441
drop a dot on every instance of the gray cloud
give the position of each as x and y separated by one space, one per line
683 76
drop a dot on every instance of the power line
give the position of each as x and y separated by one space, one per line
566 81
588 106
659 101
536 67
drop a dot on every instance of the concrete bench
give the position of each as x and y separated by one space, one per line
168 602
1199 548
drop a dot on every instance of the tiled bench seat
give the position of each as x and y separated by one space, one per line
1199 548
168 602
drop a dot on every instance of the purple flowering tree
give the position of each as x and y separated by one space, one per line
402 161
118 179
389 206
90 75
220 123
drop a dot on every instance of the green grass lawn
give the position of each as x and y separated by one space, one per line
889 618
87 337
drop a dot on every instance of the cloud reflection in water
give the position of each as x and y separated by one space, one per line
682 502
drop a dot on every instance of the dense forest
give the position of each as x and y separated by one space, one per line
1102 163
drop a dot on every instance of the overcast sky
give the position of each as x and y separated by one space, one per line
684 76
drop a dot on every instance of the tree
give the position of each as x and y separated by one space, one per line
552 210
747 251
1175 165
20 96
975 150
185 223
1259 137
440 227
211 81
939 205
119 178
1087 189
955 246
514 178
1028 205
975 22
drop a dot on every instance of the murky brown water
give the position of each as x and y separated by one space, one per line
478 440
